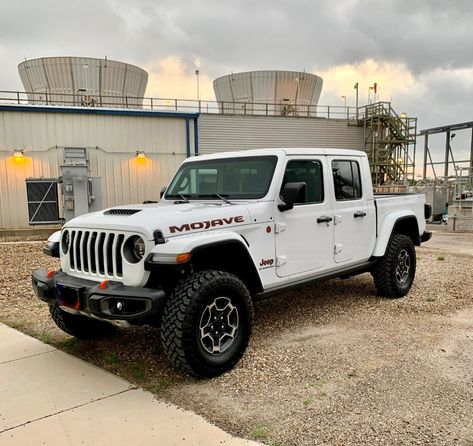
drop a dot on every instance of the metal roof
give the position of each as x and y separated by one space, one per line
96 110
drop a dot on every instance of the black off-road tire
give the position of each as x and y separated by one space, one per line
394 273
81 327
189 313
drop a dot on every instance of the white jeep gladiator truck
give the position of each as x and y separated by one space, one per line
230 228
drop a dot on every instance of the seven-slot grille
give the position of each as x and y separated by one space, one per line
96 252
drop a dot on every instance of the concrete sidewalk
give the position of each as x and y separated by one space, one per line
49 397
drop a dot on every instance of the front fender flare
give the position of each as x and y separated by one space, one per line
189 243
201 247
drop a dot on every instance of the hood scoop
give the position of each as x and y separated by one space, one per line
121 211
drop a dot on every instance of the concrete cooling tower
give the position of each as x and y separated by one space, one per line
271 92
83 81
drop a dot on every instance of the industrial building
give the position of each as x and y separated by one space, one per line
135 147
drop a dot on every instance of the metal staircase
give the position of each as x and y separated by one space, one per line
390 142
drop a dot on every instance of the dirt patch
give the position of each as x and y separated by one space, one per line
328 364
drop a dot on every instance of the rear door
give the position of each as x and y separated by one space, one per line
354 216
304 234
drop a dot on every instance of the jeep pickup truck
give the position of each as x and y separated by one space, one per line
230 228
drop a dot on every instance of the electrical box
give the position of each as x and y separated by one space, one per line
81 193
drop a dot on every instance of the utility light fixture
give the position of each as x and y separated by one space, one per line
18 153
140 154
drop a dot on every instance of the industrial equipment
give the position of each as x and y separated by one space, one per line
81 193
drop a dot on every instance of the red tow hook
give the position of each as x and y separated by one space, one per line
103 285
51 273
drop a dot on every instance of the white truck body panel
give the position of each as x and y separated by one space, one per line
286 247
390 208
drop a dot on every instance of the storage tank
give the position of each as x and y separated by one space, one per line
271 92
83 81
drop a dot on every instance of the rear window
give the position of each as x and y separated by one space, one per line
346 180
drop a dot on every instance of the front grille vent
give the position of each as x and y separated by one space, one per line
122 211
97 253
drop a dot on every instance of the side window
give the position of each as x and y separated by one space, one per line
346 180
309 172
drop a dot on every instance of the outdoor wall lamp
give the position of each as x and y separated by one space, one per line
18 153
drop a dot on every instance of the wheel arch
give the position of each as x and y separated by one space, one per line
220 250
397 224
231 256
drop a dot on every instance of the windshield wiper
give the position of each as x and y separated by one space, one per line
183 197
222 197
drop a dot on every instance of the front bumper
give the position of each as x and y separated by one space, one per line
115 301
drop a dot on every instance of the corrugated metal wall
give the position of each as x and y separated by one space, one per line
111 141
221 133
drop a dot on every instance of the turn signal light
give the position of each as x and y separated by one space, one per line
182 258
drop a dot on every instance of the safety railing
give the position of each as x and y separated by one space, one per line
84 99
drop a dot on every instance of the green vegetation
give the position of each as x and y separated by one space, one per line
260 431
308 400
159 386
45 337
113 359
138 373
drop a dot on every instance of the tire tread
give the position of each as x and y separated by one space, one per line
176 327
383 271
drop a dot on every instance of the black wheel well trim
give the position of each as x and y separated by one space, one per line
243 247
413 235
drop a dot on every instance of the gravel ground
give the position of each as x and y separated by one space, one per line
329 364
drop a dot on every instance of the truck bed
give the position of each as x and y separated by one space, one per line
390 203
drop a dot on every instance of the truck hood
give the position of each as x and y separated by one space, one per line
171 219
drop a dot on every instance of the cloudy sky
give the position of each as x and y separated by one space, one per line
420 53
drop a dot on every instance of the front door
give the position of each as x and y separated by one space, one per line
304 234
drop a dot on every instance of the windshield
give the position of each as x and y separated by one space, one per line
242 177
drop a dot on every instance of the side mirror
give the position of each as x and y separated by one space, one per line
293 193
161 193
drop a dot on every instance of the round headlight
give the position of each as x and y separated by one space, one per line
134 249
139 247
65 241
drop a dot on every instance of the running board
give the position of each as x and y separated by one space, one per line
352 271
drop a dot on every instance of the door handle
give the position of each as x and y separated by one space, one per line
359 214
324 219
